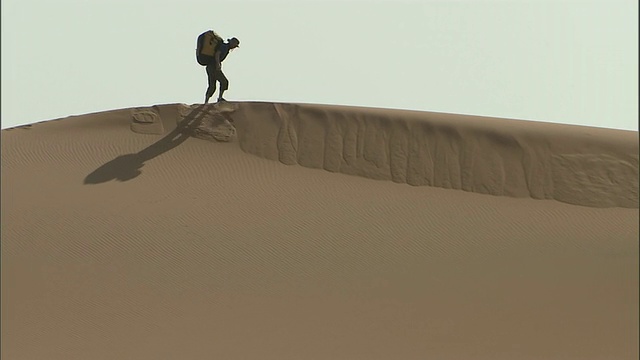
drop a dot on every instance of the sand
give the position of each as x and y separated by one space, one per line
299 231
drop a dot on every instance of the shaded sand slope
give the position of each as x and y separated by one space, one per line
123 245
573 164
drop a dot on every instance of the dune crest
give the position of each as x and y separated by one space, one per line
578 165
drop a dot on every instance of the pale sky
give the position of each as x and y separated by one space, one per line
563 61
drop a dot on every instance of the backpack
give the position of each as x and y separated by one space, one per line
206 46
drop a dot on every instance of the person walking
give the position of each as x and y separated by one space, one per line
214 69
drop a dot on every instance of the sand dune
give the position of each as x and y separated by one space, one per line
184 232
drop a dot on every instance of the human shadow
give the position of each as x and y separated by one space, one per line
127 167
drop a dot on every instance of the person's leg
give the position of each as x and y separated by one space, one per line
211 76
224 83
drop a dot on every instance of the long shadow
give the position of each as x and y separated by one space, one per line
127 167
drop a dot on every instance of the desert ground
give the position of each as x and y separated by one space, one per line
256 230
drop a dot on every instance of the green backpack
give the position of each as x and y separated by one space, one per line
207 44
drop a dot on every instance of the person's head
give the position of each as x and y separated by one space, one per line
233 43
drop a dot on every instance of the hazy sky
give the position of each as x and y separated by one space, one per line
564 61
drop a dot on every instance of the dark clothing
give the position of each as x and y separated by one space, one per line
215 76
224 51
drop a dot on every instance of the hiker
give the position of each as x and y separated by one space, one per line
214 69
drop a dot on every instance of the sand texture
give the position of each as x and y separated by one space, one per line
256 230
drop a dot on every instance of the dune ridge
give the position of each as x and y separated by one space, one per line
578 165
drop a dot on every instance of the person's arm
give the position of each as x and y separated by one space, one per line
216 56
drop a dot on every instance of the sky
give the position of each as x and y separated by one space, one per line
561 61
